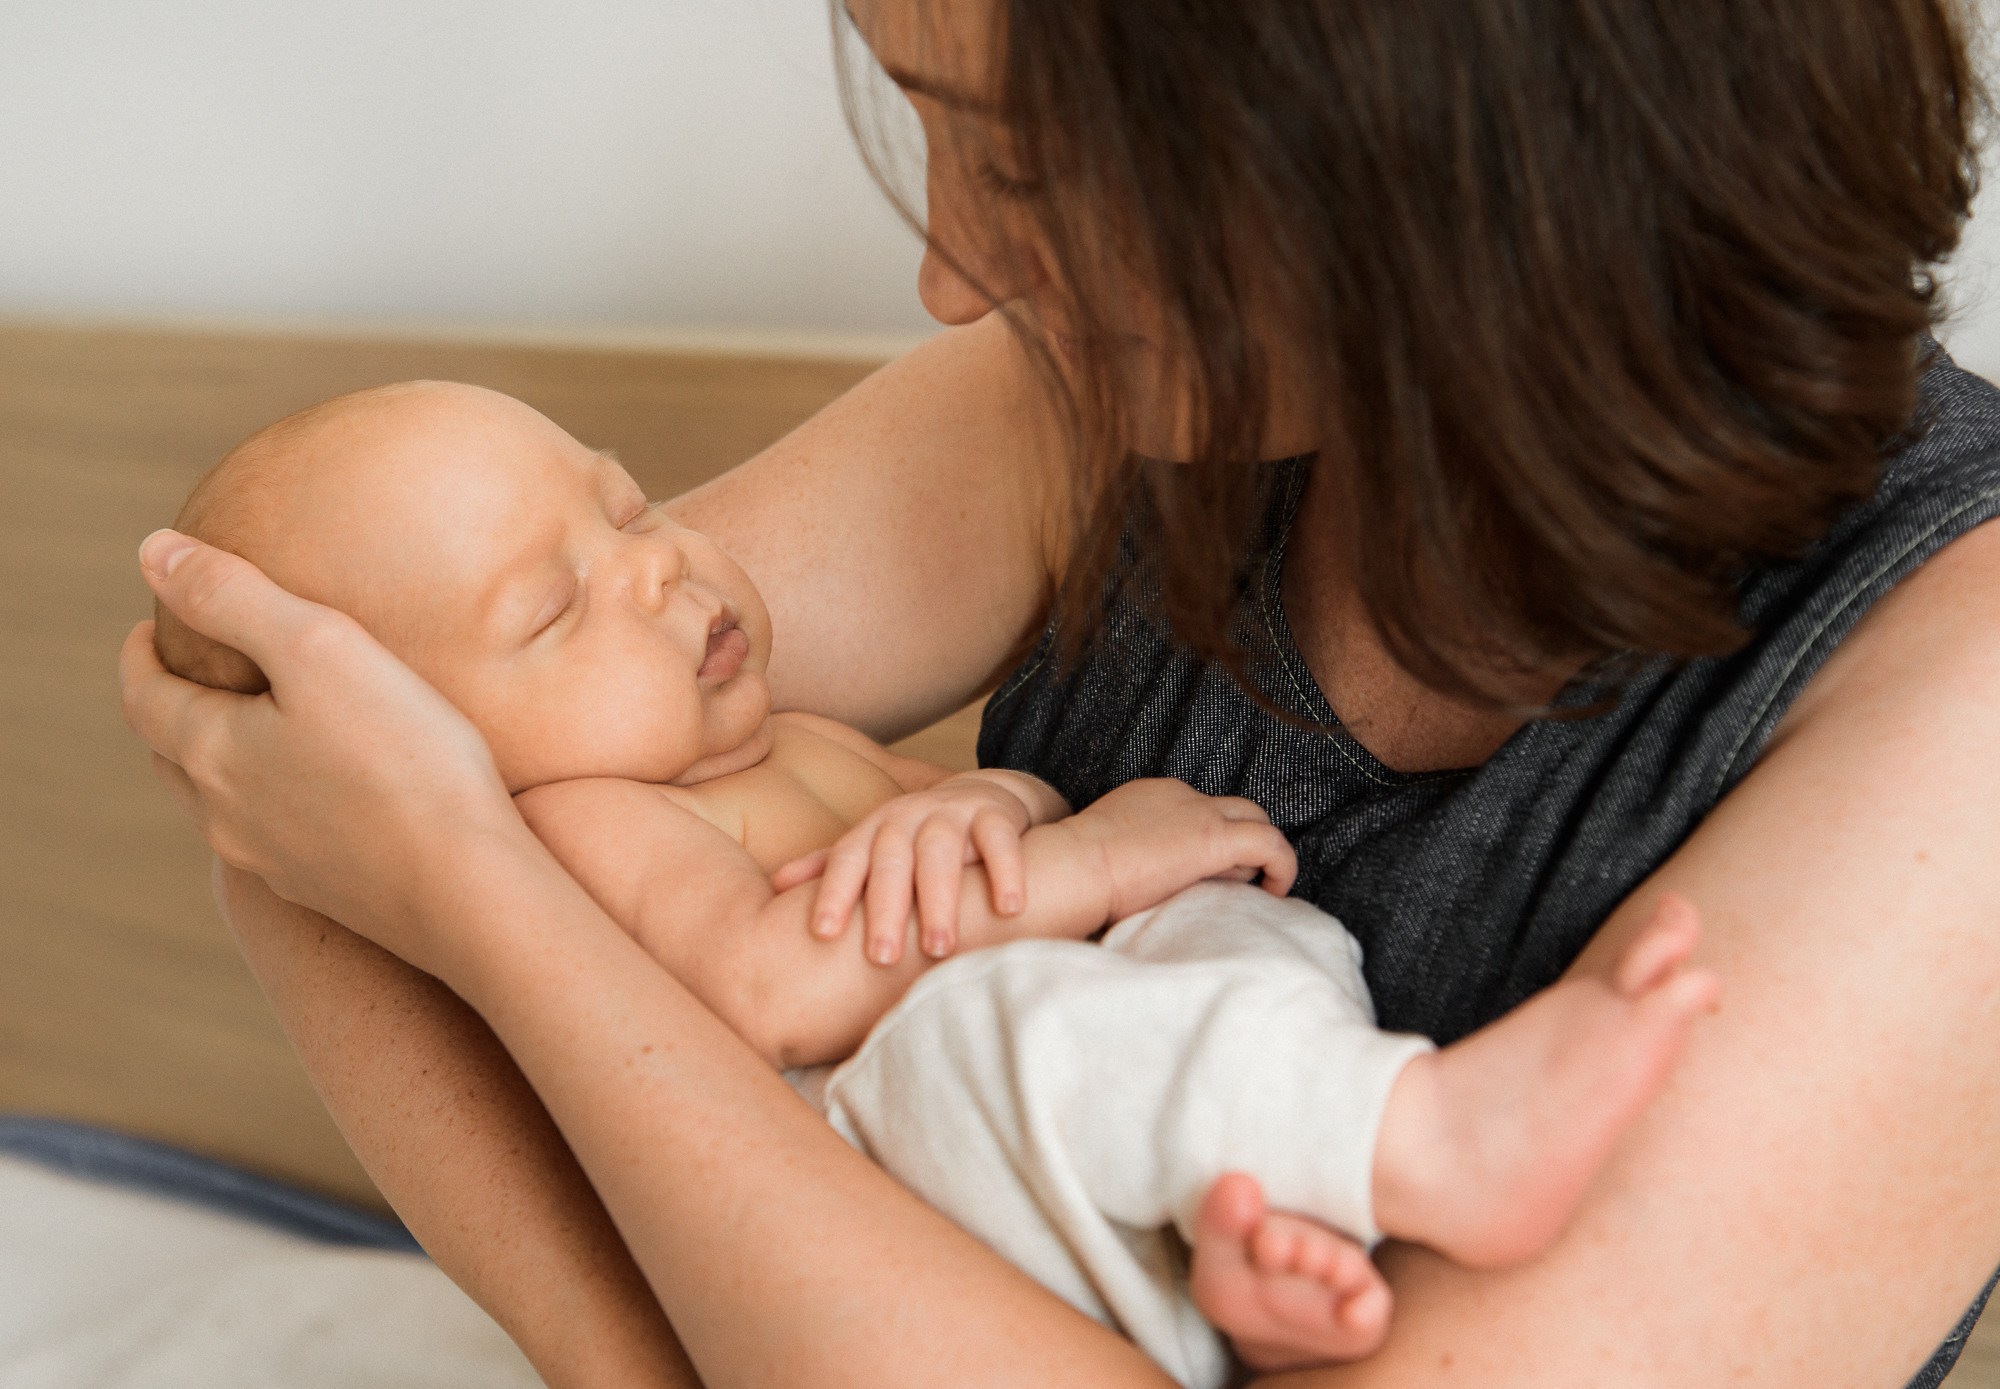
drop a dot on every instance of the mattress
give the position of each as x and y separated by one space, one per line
126 1265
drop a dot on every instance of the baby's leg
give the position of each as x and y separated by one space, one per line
1485 1150
1487 1146
1072 1106
1289 1291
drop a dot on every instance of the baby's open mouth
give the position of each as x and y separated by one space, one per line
728 647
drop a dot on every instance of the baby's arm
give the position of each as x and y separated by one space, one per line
655 867
1155 837
914 850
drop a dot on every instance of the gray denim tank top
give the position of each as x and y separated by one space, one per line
1471 889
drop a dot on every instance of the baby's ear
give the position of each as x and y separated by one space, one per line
192 656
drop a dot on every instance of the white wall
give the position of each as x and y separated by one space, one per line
1973 281
1972 285
583 163
675 165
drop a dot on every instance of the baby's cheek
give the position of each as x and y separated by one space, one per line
652 736
732 717
529 752
602 719
498 720
536 735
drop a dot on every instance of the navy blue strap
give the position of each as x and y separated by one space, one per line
142 1165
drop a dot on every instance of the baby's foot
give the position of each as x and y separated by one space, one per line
1487 1146
1287 1291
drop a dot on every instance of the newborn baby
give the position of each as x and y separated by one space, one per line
613 661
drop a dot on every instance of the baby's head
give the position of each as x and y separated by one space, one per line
519 572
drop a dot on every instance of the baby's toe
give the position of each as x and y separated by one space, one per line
1275 1247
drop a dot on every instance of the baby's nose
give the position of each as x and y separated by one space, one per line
660 572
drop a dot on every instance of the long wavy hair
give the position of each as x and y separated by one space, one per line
1600 304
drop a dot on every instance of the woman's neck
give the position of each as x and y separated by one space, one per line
1403 723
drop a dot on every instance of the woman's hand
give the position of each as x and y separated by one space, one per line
346 786
919 846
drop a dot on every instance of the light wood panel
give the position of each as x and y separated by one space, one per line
121 999
1980 1366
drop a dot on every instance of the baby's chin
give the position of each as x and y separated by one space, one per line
648 767
742 757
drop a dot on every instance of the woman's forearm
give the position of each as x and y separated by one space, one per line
456 1140
782 1256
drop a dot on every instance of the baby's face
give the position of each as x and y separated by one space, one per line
526 577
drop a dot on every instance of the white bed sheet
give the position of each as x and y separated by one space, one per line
104 1288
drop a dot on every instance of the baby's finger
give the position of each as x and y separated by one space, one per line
887 919
940 872
1264 848
799 870
999 845
841 881
1241 809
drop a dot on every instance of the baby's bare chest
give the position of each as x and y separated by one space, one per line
802 797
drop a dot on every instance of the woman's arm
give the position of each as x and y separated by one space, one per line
453 1136
779 1254
1816 1198
904 538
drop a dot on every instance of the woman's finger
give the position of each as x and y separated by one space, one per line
179 786
999 845
940 869
226 597
159 706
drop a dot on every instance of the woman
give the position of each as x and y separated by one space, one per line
1599 322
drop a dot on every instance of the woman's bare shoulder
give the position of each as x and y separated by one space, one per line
1931 643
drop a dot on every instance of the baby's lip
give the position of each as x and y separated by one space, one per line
728 647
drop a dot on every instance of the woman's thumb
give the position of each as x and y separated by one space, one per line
219 595
162 552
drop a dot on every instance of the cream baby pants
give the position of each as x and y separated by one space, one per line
1070 1104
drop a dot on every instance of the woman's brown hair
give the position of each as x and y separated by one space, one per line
1601 303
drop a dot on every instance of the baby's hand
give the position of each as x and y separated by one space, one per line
1159 836
921 844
